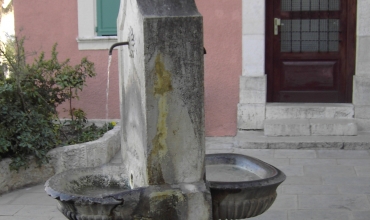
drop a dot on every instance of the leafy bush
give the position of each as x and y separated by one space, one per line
29 98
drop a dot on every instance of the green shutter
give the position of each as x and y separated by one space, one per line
107 12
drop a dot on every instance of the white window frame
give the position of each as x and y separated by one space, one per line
87 38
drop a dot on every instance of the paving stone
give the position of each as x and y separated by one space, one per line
10 209
354 162
285 202
252 144
342 202
295 153
302 161
9 197
25 218
303 180
211 146
352 181
272 215
362 190
264 153
291 145
343 154
38 188
329 170
34 199
292 170
360 215
309 190
318 215
279 163
38 210
363 171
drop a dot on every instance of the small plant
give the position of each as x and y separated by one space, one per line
29 99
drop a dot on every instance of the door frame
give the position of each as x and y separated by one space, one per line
350 50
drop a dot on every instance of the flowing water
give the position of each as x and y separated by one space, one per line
107 92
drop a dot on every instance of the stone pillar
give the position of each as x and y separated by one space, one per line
251 107
361 81
162 110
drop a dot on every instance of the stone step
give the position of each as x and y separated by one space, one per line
310 127
308 110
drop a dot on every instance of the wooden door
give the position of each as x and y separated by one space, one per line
310 49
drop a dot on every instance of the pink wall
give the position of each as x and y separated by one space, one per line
223 63
46 22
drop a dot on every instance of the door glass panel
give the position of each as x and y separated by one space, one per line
310 5
309 35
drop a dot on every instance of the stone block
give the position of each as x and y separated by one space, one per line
251 116
162 89
363 18
308 110
33 174
253 55
253 17
333 127
361 90
287 127
362 111
363 56
363 124
252 89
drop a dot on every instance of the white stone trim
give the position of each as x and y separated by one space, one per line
87 38
253 44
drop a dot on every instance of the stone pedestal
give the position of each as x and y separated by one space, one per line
161 94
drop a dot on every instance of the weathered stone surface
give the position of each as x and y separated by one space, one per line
308 110
251 116
361 89
34 174
362 59
333 127
252 89
287 127
90 154
177 202
162 91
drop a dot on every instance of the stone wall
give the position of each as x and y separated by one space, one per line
89 154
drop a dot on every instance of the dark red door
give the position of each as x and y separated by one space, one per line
308 44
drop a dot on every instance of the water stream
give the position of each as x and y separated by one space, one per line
107 92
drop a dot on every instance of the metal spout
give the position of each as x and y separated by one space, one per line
115 45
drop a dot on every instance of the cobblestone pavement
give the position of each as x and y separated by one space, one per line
321 184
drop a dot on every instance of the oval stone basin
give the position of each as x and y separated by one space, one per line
241 186
89 193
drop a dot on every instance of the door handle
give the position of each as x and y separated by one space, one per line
277 23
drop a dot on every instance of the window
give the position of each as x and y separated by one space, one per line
107 12
88 24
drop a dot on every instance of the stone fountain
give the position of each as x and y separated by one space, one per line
162 126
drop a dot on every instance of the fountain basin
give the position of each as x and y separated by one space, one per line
89 193
104 193
241 186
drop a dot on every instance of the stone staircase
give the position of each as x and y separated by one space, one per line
309 119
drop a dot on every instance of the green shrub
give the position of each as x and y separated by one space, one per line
29 98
